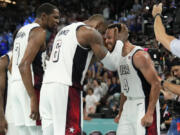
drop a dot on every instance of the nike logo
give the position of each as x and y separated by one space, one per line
139 104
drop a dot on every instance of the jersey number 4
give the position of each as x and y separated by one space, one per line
57 51
125 86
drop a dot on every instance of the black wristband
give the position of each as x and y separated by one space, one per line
162 82
158 14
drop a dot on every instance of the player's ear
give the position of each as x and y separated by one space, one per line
43 16
99 25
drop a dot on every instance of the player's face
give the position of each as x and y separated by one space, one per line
176 71
53 20
110 39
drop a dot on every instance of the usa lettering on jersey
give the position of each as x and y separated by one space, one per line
124 69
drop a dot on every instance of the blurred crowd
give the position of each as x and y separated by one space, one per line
101 87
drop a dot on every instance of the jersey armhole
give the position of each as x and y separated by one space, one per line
133 60
77 40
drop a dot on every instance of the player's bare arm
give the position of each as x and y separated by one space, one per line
122 101
143 62
90 38
3 68
35 43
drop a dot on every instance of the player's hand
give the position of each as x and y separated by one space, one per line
116 119
157 9
34 108
167 95
123 34
3 126
147 120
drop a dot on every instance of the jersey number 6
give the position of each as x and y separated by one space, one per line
57 51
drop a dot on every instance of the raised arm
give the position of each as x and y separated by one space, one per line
35 43
3 69
143 62
159 28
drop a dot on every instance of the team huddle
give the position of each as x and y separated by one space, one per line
45 96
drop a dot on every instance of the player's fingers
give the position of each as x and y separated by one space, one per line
36 118
33 115
142 123
154 6
122 27
160 5
5 130
148 124
6 127
116 33
115 120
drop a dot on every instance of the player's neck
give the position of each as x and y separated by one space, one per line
127 48
39 21
90 23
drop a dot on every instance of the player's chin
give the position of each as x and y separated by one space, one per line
53 28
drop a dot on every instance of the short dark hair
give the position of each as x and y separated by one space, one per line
90 88
45 8
115 25
98 17
175 62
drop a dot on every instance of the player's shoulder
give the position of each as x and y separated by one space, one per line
86 30
141 58
38 32
141 55
86 35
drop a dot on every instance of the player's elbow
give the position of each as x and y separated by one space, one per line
157 85
158 38
23 67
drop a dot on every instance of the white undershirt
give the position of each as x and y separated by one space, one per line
175 47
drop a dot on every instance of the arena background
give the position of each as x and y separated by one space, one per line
136 14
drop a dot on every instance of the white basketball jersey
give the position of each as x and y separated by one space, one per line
133 83
8 111
69 61
20 45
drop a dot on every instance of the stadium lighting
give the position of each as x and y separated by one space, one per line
8 1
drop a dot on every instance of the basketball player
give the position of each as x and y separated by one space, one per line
27 68
6 120
73 48
140 89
